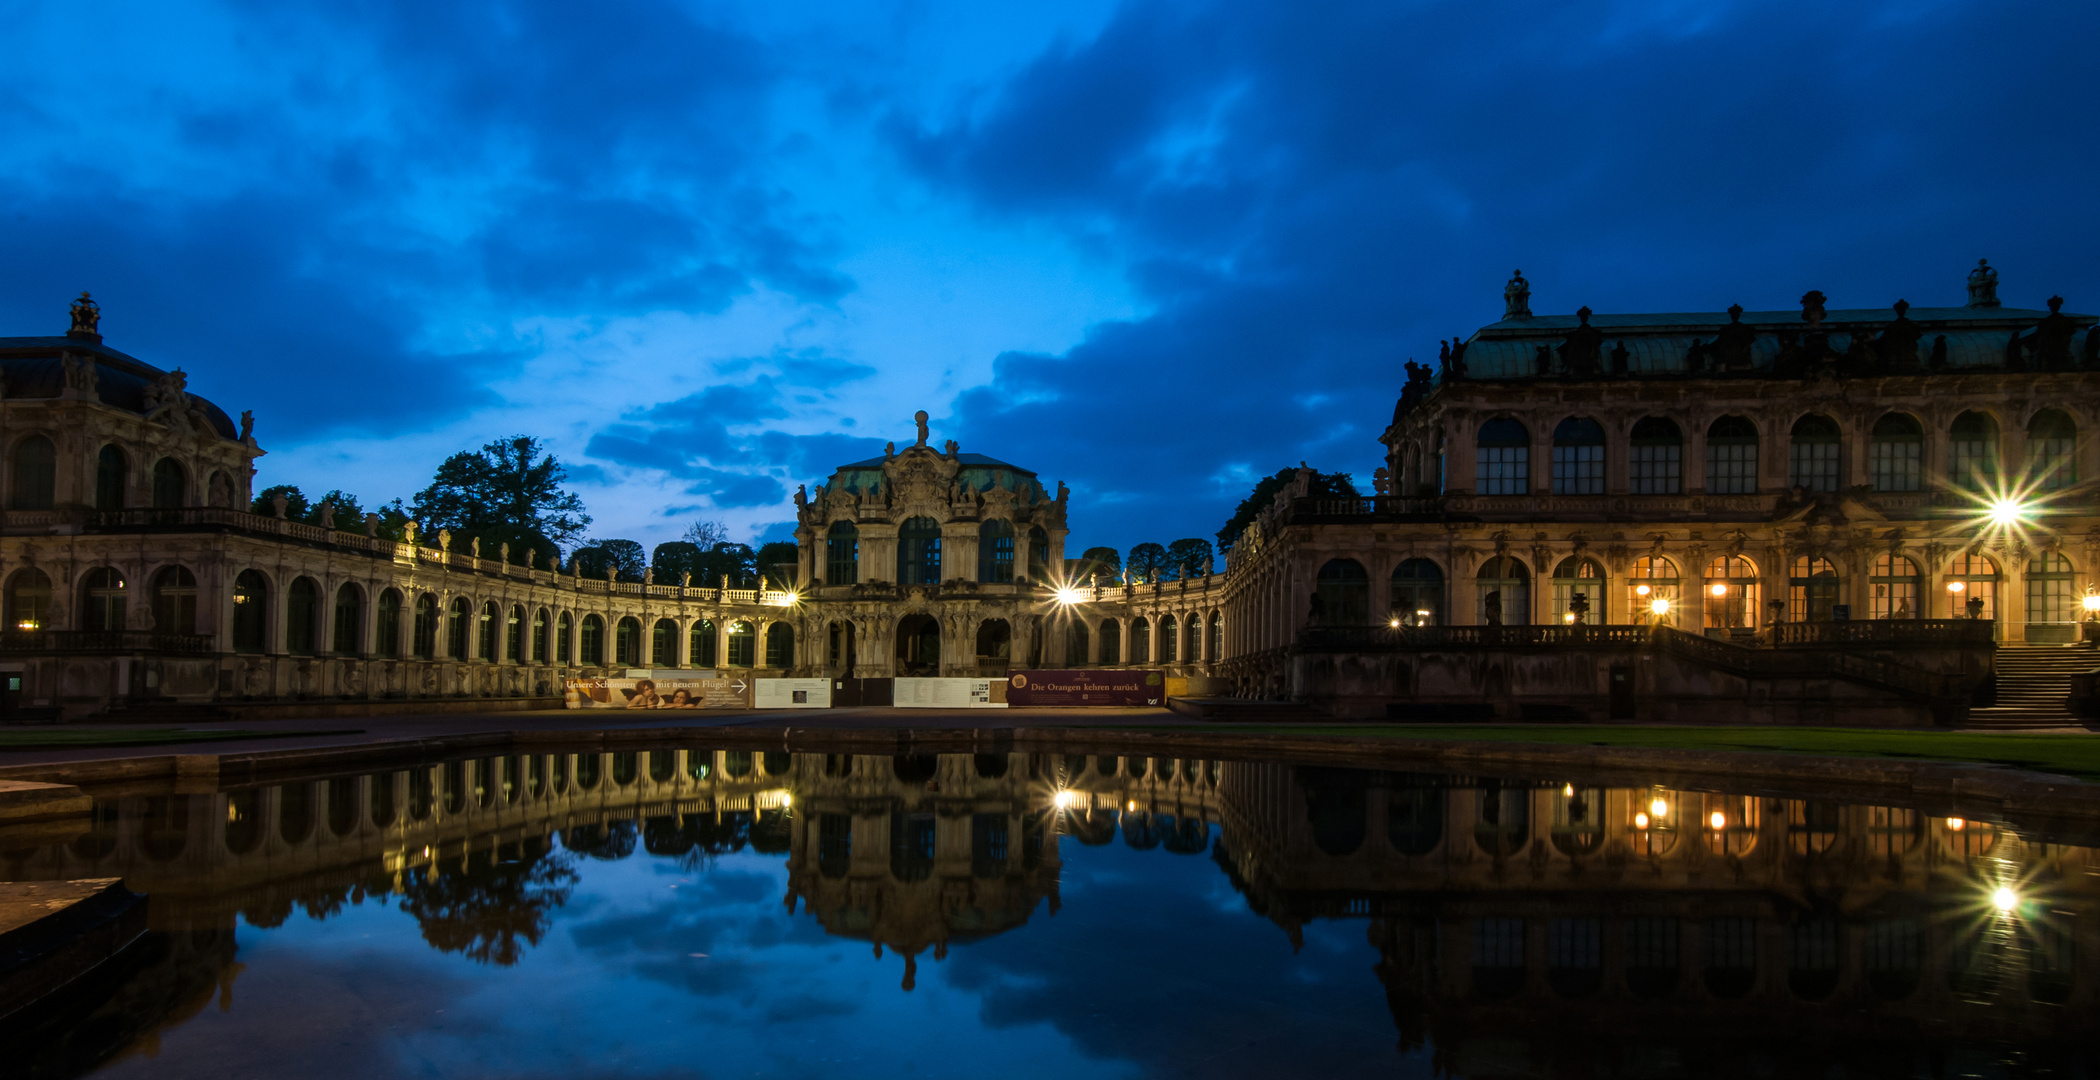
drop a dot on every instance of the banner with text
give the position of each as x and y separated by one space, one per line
657 693
947 694
794 694
1084 687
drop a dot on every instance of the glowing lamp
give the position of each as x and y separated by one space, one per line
1068 595
1132 807
787 798
1065 799
1719 820
1957 586
1568 790
1720 590
2091 602
1955 824
1659 808
2005 899
1641 590
1395 624
1640 821
1568 618
2004 512
1659 606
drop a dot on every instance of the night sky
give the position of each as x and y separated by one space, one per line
710 251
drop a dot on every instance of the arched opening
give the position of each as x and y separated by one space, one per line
424 645
514 634
1578 577
2052 603
1972 452
170 484
1656 466
1813 460
1039 554
456 621
175 601
1418 593
627 642
994 647
1140 641
842 554
780 646
743 645
219 490
700 646
1503 459
989 843
591 638
841 647
1894 582
1731 592
28 600
1578 457
663 644
112 476
1812 590
918 646
1731 457
564 628
1169 640
995 551
539 636
1414 817
1341 594
35 475
386 631
490 625
2052 439
1652 591
1502 824
349 621
1895 453
1503 588
911 847
1574 956
102 596
302 614
919 552
251 612
1075 643
1111 642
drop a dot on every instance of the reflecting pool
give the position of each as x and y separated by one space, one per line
690 912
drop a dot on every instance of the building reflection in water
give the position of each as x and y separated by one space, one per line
1516 926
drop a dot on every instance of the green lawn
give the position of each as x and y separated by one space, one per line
2070 753
62 738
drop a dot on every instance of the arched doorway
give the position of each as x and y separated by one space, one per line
994 647
918 646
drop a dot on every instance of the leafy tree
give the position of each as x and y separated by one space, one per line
673 560
509 491
296 506
778 562
491 908
1190 557
1335 485
1147 562
349 513
729 565
1101 564
625 557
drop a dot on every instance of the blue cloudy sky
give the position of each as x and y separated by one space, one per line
1154 249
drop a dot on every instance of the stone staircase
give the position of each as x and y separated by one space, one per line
2034 685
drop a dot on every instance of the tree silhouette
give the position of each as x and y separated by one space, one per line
494 906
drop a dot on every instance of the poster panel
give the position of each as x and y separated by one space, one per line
946 694
793 694
657 693
1086 687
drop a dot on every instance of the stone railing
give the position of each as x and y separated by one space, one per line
1887 633
103 641
1829 663
1402 508
1390 638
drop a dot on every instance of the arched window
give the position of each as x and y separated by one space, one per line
1578 457
456 629
780 646
1214 642
2050 598
564 637
1140 641
742 645
592 639
1972 452
1731 457
539 637
663 644
842 554
28 600
102 595
1652 579
112 475
995 641
386 632
302 614
1192 633
702 645
35 475
1504 590
1111 642
1657 462
514 635
1418 593
1894 581
1341 595
1895 453
1169 640
1578 577
627 642
1731 592
995 551
170 485
1812 460
424 646
251 612
1075 643
2051 439
490 624
175 601
1811 590
349 620
1039 554
1502 465
919 552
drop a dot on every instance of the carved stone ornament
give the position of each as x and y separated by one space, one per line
919 480
87 317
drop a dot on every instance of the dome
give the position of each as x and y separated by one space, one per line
33 367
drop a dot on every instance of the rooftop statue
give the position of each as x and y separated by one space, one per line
1983 285
1731 348
1898 345
1516 297
2050 343
87 316
919 418
1581 352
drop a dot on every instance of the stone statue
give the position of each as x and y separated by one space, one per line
889 450
81 375
2051 341
919 418
1542 361
952 448
1581 352
1064 494
1516 297
408 532
474 546
685 579
1382 481
1939 352
326 512
503 553
445 540
1491 607
1812 311
1898 345
1983 285
648 575
1619 357
247 425
371 524
278 504
87 317
531 557
801 497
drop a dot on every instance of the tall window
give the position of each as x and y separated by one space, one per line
103 593
1894 587
564 637
701 649
592 640
1972 452
514 635
35 479
1503 461
1214 642
28 600
842 554
251 611
1140 641
1111 642
780 646
995 551
490 625
742 645
386 631
170 484
1812 590
1895 453
426 629
112 472
627 642
175 601
1812 460
1039 554
1657 461
1503 589
349 619
919 552
539 636
456 629
1169 640
302 613
1418 593
1578 457
2049 595
1650 579
1731 592
2051 439
663 644
1578 577
1341 594
1731 457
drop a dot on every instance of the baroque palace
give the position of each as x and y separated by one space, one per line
1755 515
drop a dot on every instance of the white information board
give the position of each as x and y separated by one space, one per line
793 694
945 694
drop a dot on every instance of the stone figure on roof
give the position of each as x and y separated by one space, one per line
1581 352
1983 285
87 316
1898 345
2050 344
920 418
1516 297
247 425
